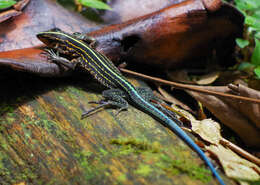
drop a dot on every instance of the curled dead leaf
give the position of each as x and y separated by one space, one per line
235 166
207 129
241 117
208 78
251 110
182 76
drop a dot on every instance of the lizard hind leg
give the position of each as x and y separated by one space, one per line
147 95
113 97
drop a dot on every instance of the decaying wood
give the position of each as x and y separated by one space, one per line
43 140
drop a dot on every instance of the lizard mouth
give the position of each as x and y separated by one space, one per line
50 40
46 39
56 44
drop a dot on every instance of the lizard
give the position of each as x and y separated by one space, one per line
120 91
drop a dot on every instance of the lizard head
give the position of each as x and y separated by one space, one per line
56 39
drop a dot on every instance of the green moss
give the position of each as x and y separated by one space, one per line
21 173
130 145
193 171
83 157
26 174
10 120
62 100
184 166
27 132
1 161
4 107
52 128
48 151
104 152
144 170
4 146
121 178
255 183
181 164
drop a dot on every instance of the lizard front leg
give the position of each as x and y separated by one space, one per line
113 97
54 57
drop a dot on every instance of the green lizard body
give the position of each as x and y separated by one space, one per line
107 74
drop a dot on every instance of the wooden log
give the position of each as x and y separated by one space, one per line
44 141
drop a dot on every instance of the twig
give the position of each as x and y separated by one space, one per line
240 151
191 88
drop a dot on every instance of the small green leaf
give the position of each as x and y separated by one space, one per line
257 35
253 22
6 3
95 4
255 59
257 2
242 43
257 71
250 20
256 14
246 4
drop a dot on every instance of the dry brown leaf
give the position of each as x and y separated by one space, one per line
168 97
235 166
207 129
207 79
184 113
182 76
179 76
241 117
249 109
201 114
20 183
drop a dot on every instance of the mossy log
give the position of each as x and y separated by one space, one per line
44 141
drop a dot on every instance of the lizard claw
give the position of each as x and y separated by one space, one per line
119 110
101 105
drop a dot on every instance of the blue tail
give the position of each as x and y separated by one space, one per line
177 130
153 111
